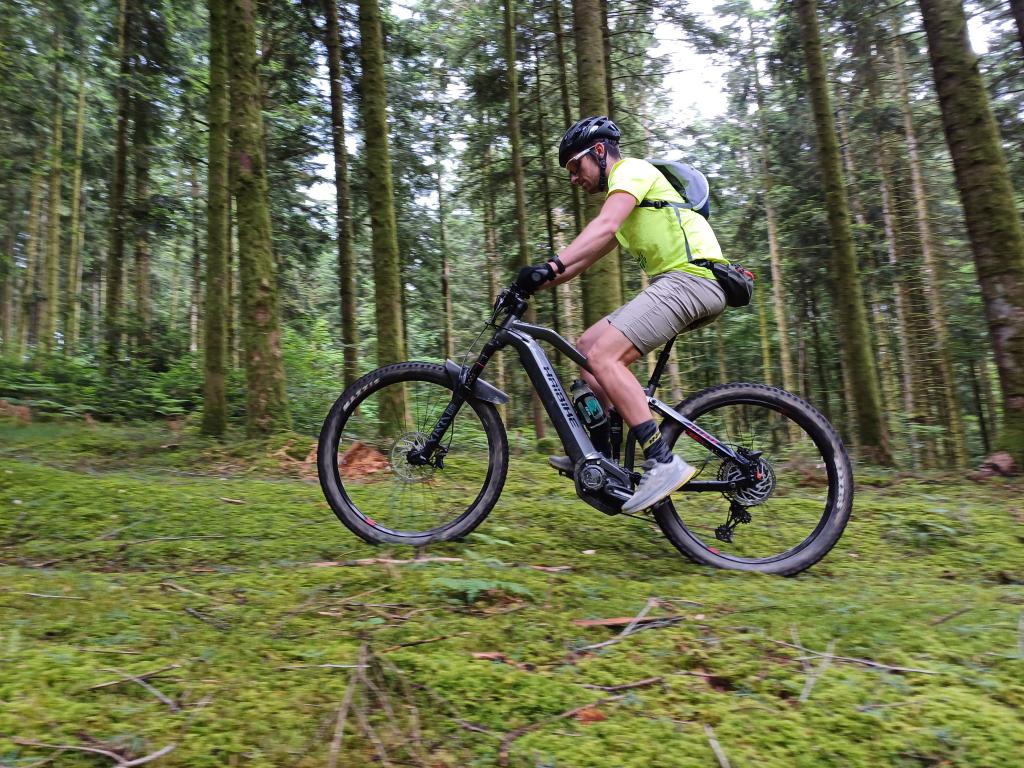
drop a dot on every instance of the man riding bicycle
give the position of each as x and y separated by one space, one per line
668 242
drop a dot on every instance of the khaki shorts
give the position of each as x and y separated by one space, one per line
674 302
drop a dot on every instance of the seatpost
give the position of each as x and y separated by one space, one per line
659 367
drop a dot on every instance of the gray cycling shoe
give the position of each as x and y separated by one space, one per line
562 463
658 481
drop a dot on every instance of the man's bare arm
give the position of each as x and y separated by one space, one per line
596 239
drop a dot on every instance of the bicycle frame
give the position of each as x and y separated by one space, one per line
524 337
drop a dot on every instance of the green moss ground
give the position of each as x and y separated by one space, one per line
119 556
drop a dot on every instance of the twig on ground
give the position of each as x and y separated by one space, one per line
172 538
723 761
52 597
545 568
364 723
230 501
133 678
121 762
853 660
631 627
381 561
411 643
626 686
172 705
106 650
506 742
322 666
947 617
339 726
178 588
206 619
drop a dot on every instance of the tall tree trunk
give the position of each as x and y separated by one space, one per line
774 254
267 402
115 251
602 284
606 51
516 139
195 301
1017 8
987 195
937 313
858 362
72 299
545 175
218 228
7 273
346 253
28 284
49 304
563 86
491 251
380 191
448 342
141 215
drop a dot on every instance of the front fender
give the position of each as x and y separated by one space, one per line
482 390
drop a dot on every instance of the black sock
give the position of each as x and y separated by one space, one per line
649 437
601 437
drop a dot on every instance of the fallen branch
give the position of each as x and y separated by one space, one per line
52 597
213 622
121 762
631 627
339 726
626 686
133 678
953 615
381 561
411 643
226 500
619 621
546 568
813 675
506 742
172 705
723 761
853 660
178 588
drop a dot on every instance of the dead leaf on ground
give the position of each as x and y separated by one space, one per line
591 715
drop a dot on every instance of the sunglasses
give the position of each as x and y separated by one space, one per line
573 164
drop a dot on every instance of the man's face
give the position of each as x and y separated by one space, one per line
584 172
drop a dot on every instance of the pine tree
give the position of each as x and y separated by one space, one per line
266 401
993 222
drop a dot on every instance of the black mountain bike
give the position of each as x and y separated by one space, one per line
416 453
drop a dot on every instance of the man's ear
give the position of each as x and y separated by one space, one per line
599 148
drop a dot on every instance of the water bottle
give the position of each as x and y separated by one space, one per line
587 405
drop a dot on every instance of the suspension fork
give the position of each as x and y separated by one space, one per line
432 452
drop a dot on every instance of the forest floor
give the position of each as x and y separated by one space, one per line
163 597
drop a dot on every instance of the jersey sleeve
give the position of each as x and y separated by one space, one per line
633 176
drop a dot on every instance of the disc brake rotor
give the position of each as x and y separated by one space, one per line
400 464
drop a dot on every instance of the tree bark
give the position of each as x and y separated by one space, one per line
119 176
858 362
774 254
1017 8
602 285
983 181
7 272
346 253
516 139
266 402
49 300
218 229
563 87
72 299
380 191
933 289
141 220
27 304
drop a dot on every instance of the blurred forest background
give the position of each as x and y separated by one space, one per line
167 248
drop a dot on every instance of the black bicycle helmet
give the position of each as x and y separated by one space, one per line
586 133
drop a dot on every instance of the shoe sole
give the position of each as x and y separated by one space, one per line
647 504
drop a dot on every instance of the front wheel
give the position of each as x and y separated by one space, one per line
795 513
370 484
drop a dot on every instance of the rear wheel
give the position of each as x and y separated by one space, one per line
794 514
372 487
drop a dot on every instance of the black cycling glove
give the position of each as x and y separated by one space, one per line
529 279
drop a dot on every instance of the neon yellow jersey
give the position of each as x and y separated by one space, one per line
654 235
